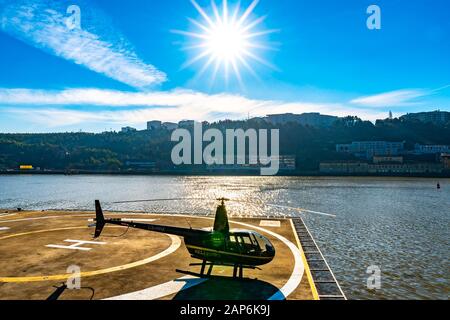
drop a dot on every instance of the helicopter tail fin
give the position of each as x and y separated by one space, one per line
221 220
99 219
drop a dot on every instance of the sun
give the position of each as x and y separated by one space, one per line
227 39
226 42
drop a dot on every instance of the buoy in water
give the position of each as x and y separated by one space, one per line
438 185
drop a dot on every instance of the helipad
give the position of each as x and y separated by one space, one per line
40 250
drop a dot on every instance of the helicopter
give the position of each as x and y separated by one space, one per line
220 246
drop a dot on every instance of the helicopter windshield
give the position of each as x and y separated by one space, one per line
252 241
264 243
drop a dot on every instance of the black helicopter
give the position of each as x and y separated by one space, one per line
220 246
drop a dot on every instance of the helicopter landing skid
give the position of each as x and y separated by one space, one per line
238 270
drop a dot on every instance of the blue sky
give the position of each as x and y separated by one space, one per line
125 65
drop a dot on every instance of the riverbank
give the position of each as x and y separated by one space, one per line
227 173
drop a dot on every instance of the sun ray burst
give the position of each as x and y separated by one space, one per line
248 12
227 39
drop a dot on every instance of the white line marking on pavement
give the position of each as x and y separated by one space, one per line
161 290
77 245
270 223
80 242
4 215
55 246
30 219
131 220
299 268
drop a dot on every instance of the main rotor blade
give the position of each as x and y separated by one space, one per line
288 207
302 210
231 200
164 199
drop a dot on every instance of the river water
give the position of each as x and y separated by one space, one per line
399 225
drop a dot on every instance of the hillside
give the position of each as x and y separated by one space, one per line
114 151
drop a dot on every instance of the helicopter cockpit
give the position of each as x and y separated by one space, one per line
250 242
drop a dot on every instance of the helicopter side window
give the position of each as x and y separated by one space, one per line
248 243
247 240
233 243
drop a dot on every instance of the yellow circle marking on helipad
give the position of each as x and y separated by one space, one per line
176 243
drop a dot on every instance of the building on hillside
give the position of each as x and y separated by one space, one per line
170 125
431 149
382 169
436 117
154 125
128 130
306 119
138 165
445 160
287 163
406 168
186 124
369 149
344 167
384 159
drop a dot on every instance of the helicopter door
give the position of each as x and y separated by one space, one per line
236 243
247 243
233 243
240 243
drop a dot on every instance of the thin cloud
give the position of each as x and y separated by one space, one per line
398 98
137 108
40 25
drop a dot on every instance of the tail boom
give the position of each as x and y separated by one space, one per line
100 223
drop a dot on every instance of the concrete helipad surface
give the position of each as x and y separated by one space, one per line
42 251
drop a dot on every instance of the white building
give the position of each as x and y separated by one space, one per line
431 149
436 117
305 119
187 123
369 149
170 125
128 129
154 125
